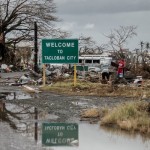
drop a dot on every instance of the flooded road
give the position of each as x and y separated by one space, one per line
22 115
18 131
90 137
94 137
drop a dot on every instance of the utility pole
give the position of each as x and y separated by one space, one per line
2 40
1 25
35 48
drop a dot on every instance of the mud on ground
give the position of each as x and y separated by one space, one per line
66 108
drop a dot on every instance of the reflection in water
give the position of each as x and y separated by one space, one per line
2 105
18 95
22 118
16 115
13 114
127 134
93 137
4 115
36 124
14 95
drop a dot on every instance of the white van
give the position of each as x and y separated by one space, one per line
94 60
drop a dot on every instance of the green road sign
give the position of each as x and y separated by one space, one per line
59 134
80 68
59 51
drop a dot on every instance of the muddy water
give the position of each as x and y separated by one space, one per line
17 95
91 136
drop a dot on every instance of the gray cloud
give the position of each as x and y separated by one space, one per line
96 18
101 6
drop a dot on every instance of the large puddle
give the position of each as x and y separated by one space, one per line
26 121
93 137
18 95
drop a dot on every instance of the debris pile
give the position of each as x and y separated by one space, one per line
60 74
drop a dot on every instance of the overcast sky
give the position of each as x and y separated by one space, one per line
97 18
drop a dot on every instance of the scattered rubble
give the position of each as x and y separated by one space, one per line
30 89
5 68
59 74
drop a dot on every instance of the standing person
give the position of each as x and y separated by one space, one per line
105 74
120 71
